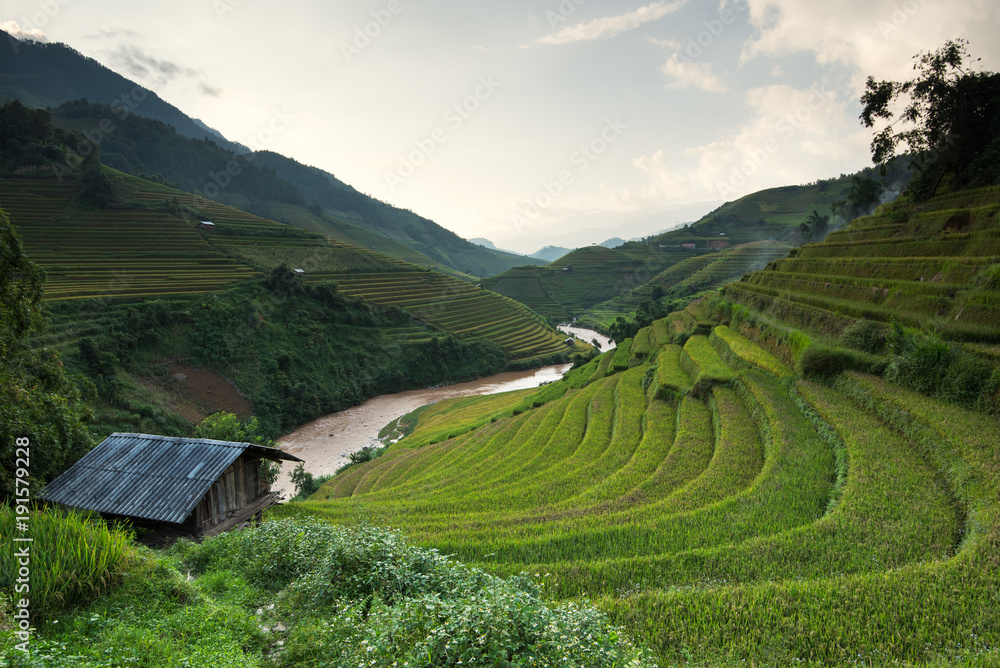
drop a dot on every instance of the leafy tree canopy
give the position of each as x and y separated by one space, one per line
39 405
949 121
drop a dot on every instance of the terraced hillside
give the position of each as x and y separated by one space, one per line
584 277
112 253
723 510
155 248
461 308
932 266
699 273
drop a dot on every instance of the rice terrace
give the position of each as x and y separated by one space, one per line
791 455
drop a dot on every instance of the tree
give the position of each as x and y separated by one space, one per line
224 426
814 229
950 121
39 404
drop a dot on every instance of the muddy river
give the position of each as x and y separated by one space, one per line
325 443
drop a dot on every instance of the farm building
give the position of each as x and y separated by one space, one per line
194 485
206 225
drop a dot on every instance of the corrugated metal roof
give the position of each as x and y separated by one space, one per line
152 477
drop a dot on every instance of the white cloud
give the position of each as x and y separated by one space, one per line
790 136
609 26
26 33
689 74
876 38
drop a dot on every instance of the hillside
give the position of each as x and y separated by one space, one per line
584 277
151 137
791 474
345 204
931 266
151 245
777 213
602 286
687 278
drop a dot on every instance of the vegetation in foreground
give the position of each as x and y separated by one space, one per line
297 593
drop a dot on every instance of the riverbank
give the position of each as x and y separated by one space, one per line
325 443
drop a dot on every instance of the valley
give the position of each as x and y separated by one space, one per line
769 437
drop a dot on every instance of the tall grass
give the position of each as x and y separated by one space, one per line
73 558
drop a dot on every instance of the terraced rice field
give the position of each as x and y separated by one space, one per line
147 253
583 277
693 274
112 253
458 307
928 266
721 510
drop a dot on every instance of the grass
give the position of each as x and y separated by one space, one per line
738 346
72 559
704 365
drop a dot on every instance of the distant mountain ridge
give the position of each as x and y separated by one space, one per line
47 75
150 137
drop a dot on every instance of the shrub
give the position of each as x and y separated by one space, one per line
969 381
819 361
865 335
365 595
922 365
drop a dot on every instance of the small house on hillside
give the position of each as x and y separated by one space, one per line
194 485
206 225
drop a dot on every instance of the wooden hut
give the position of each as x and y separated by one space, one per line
194 485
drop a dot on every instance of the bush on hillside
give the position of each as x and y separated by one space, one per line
364 596
865 335
821 362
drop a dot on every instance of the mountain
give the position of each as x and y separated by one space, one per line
148 136
551 253
341 200
614 242
46 75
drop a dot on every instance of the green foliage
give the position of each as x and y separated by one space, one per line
815 227
97 191
365 594
947 119
224 426
933 367
864 194
73 559
28 142
306 483
867 336
820 361
39 403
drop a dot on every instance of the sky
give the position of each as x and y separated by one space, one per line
528 123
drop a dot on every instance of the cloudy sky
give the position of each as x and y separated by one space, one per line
524 121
